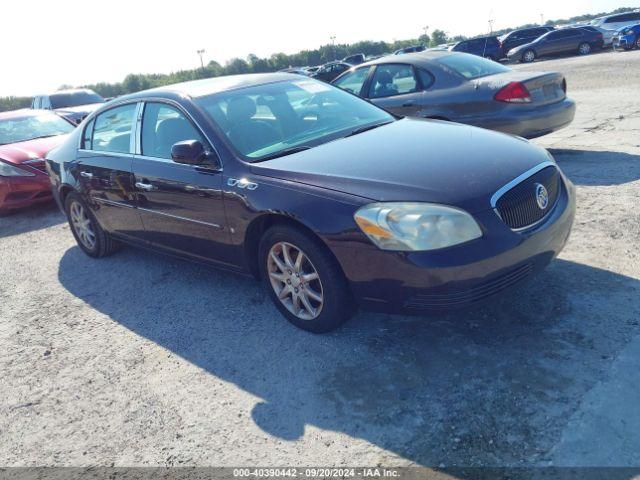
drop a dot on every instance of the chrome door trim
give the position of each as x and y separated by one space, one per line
177 217
496 196
111 202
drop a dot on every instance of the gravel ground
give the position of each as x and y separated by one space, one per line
139 359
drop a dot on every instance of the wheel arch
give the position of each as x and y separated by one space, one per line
255 230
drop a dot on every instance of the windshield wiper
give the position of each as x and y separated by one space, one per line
365 128
285 152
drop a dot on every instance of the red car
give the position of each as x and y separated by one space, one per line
25 138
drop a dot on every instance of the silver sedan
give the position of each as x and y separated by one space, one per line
464 88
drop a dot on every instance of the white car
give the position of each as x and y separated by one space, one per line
609 24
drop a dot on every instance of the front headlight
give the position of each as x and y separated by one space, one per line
7 170
416 226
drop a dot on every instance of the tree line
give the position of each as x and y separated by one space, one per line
278 61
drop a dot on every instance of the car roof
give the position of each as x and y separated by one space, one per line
415 57
210 86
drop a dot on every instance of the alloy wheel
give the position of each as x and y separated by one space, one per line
529 56
585 48
82 225
295 280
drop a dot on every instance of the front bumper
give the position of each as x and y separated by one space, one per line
528 121
19 192
461 276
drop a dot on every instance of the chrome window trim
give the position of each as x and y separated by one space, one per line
520 178
105 154
177 217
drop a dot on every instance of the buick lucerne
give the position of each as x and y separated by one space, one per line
331 201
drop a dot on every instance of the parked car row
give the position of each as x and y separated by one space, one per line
333 202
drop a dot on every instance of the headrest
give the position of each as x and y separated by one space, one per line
240 109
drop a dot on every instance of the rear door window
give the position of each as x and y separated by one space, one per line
353 81
112 130
390 80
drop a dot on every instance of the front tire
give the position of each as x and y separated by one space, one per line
528 56
91 238
304 280
584 48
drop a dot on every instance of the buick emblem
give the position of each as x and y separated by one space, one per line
542 196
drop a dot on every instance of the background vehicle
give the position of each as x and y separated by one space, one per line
464 88
74 104
627 38
410 49
25 137
355 59
331 70
316 192
609 24
487 47
557 42
296 70
516 38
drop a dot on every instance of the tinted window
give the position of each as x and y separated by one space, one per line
470 66
28 127
112 132
389 80
162 126
353 81
426 78
264 120
616 18
74 99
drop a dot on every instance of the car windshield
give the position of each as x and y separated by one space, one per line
74 99
472 66
274 119
29 127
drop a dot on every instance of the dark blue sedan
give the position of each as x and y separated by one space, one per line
331 201
627 38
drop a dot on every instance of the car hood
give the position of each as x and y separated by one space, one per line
413 160
21 152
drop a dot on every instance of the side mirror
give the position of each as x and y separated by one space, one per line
192 152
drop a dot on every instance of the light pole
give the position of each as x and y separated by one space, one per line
200 52
425 29
490 26
333 45
542 19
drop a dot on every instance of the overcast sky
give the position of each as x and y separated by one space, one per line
49 43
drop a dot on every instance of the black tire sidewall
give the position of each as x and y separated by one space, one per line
337 305
95 252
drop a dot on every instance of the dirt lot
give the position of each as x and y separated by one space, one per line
139 359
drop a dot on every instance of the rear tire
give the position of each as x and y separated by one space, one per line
637 42
313 293
584 48
528 56
91 238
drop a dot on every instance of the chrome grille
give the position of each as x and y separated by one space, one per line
519 208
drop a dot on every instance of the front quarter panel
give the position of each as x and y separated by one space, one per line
328 214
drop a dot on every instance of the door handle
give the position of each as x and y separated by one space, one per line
86 174
147 187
